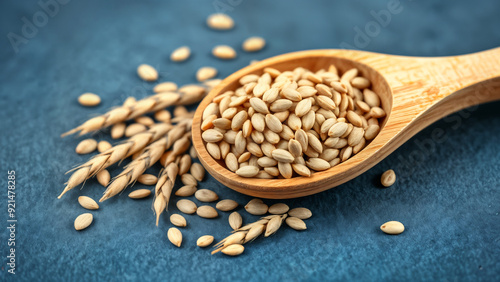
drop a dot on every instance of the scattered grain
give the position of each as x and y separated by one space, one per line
220 21
102 146
178 55
302 213
205 241
83 221
278 208
178 220
388 178
88 203
296 223
235 220
205 195
205 73
86 146
174 236
224 52
393 227
147 72
89 99
186 206
186 191
254 44
206 212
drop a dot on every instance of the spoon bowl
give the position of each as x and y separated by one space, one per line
414 92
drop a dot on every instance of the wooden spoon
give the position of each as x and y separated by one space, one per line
414 93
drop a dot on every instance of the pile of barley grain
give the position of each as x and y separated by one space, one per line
291 123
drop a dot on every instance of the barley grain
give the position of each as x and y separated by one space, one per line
325 103
317 164
233 250
314 143
186 206
134 128
274 224
224 52
147 179
118 130
249 78
247 171
273 123
232 162
212 83
178 220
167 86
144 120
147 72
392 227
354 119
235 220
86 146
360 82
345 153
259 105
278 208
206 212
205 73
174 236
186 191
377 112
388 178
205 241
301 169
88 203
103 146
83 221
253 44
198 171
103 177
302 213
355 137
180 54
212 136
205 195
89 100
220 21
371 98
238 120
296 223
256 207
226 205
281 105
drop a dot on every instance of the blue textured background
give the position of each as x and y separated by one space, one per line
449 201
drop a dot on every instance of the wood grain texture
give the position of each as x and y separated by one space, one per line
415 92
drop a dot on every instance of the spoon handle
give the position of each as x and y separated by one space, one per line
425 90
466 80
